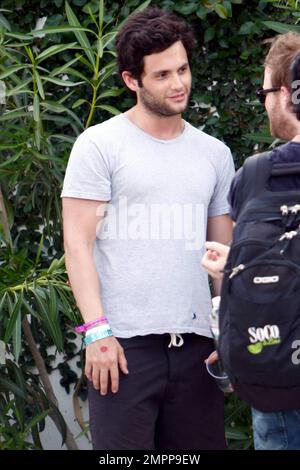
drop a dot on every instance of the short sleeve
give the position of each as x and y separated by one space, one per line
87 174
219 203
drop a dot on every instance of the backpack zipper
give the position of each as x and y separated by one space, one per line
241 267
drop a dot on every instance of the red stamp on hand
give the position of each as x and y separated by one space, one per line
103 348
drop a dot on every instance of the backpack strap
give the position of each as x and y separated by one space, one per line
256 172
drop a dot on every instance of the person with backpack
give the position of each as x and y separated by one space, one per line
260 298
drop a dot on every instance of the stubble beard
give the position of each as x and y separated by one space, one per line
158 108
280 126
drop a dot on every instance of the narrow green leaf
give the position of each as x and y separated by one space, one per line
39 251
52 50
65 138
109 108
19 89
108 38
77 74
4 22
59 108
281 28
2 302
13 317
30 54
58 81
9 386
53 311
63 68
107 71
110 93
78 103
36 108
22 37
29 308
11 160
54 106
51 325
101 15
47 158
34 421
39 84
37 134
80 35
13 69
60 29
92 15
11 115
17 340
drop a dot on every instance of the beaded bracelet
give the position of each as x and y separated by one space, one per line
90 324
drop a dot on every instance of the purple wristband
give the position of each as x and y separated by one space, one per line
90 324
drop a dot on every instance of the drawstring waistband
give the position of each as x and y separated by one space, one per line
174 338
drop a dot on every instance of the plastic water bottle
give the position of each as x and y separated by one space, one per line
215 369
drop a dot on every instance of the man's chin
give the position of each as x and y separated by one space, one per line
178 108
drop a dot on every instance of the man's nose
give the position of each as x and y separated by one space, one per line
176 82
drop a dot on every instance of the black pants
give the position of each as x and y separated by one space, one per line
167 402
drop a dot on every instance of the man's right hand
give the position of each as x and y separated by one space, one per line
100 364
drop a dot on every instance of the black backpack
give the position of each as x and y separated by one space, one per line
259 342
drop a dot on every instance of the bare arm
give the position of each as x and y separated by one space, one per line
219 229
80 224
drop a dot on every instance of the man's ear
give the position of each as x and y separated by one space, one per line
129 81
287 95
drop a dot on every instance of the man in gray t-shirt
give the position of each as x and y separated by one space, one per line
141 192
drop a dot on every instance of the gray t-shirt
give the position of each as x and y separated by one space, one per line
148 250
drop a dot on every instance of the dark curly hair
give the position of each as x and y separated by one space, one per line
150 31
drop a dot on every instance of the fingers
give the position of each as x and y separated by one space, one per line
214 246
114 377
218 248
213 357
96 378
211 255
122 361
88 370
103 381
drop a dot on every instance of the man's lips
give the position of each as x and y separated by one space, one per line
178 97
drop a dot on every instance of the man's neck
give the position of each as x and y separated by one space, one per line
160 127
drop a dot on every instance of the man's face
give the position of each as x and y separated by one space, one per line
276 108
166 81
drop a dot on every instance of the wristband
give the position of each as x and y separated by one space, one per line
91 338
90 324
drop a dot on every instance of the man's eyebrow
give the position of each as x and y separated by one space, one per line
157 72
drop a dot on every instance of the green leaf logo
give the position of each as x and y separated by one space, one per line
255 348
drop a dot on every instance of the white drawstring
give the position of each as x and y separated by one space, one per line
174 338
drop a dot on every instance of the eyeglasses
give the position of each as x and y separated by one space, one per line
261 93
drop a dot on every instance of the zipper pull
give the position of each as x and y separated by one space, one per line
236 270
288 235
